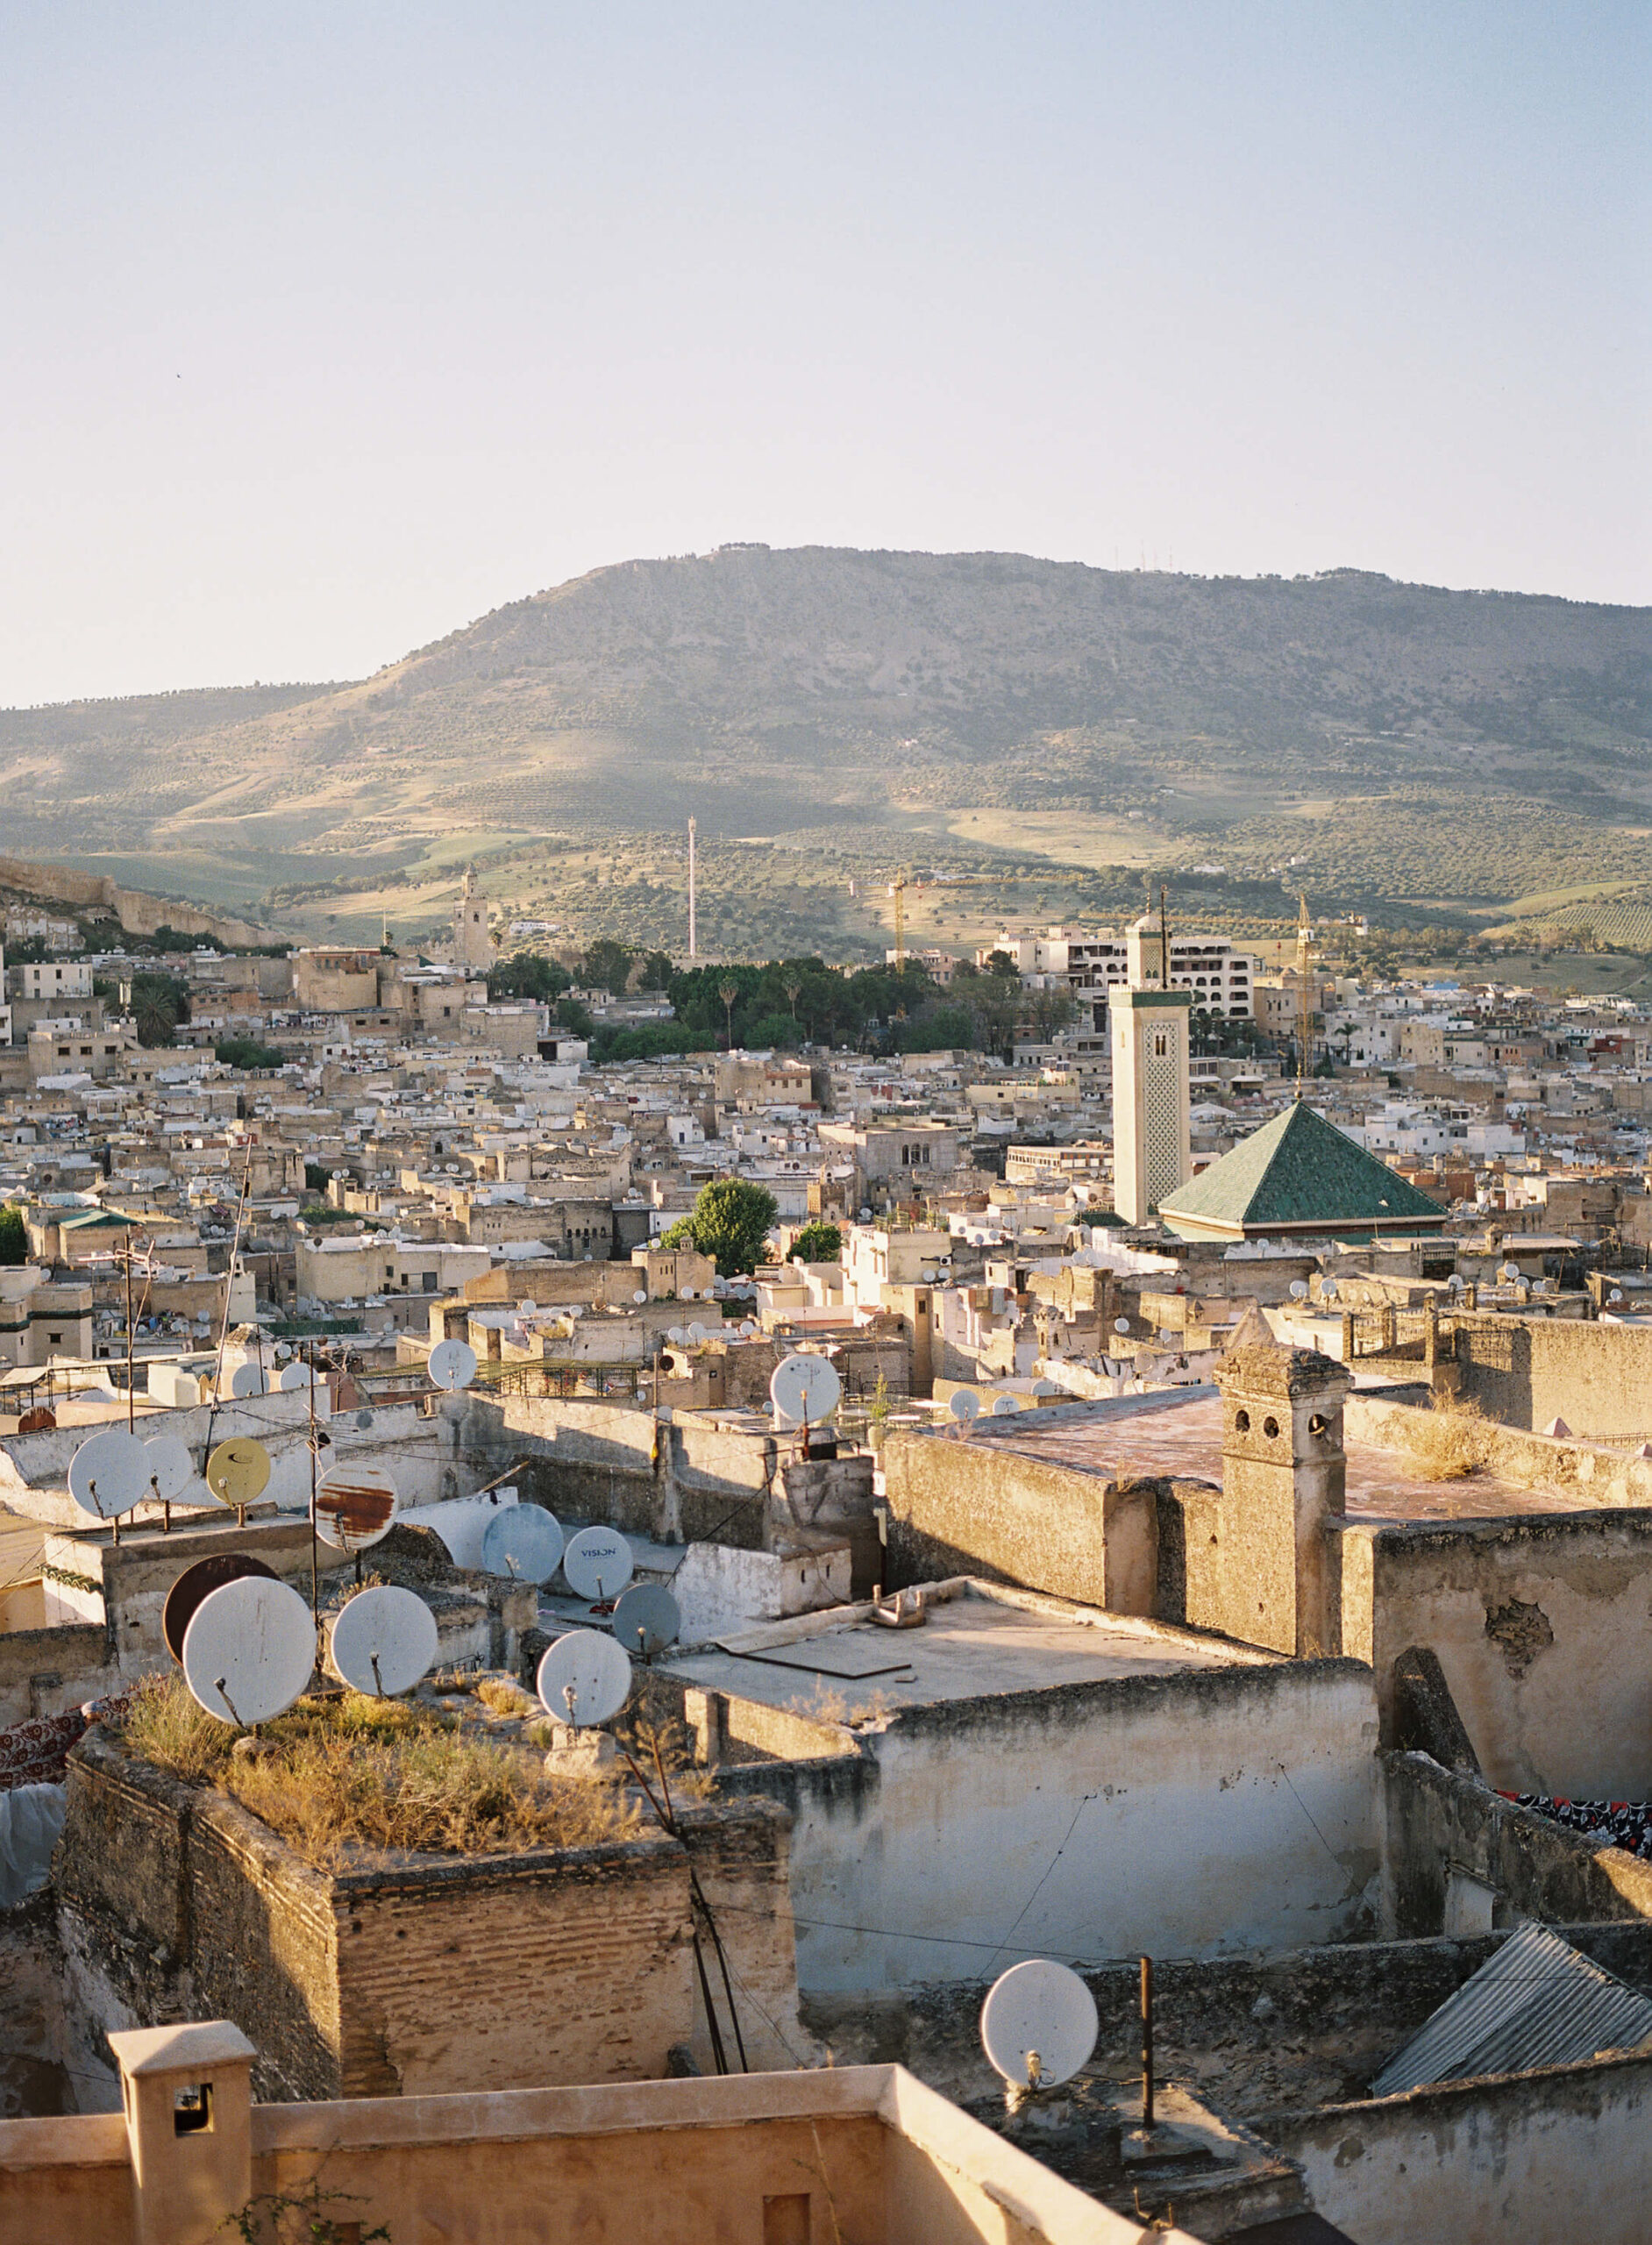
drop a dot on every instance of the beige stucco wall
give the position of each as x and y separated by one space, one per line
1538 1621
1195 1814
1548 2159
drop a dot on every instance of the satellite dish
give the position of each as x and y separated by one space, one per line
804 1387
646 1620
696 1333
1038 2010
196 1583
528 1308
248 1380
452 1365
238 1472
39 1420
688 1295
1120 1325
249 1650
364 1419
107 1475
168 1468
597 1564
1299 1289
677 1334
293 1376
355 1505
963 1404
525 1542
1004 1406
748 1326
585 1678
384 1642
1616 1294
640 1297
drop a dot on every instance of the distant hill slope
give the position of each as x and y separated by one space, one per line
774 691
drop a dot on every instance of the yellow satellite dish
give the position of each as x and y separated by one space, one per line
238 1472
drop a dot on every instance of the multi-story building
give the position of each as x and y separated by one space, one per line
1093 963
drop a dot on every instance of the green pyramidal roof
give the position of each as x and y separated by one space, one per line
1297 1174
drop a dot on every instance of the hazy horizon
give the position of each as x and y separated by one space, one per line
328 335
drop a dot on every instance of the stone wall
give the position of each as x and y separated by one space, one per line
1527 1370
138 912
47 1671
428 1974
1529 1616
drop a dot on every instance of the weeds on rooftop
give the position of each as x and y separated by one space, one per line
1448 1443
340 1774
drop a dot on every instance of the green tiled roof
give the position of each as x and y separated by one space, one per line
1300 1171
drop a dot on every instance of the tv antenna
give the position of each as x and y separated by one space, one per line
525 1542
383 1641
597 1565
249 1650
1038 2026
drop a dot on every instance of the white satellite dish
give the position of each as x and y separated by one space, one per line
249 1649
1509 1271
168 1468
646 1620
107 1475
528 1309
1038 2010
585 1678
1004 1406
1616 1294
294 1377
452 1365
1120 1325
688 1295
640 1296
384 1641
597 1564
248 1380
748 1326
696 1333
963 1404
1327 1291
355 1505
804 1388
677 1334
525 1542
1299 1289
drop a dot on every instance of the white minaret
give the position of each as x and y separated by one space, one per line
694 945
1152 1126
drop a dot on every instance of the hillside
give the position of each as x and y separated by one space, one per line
1398 741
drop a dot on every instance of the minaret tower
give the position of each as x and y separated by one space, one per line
1152 1125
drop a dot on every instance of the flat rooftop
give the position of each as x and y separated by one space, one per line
978 1640
1184 1439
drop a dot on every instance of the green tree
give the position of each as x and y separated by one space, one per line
528 976
657 971
818 1242
14 1240
318 1177
730 1222
607 964
158 1004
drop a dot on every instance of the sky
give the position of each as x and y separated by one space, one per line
324 330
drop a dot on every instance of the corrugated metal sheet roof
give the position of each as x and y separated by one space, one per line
1538 2002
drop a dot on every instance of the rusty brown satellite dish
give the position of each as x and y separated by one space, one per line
199 1582
355 1505
37 1422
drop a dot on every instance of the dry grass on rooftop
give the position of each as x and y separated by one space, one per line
1448 1443
338 1776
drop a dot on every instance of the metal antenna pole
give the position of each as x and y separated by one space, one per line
314 1586
1147 2042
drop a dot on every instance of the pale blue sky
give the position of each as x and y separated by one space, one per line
325 329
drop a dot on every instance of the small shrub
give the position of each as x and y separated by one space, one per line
166 1724
504 1697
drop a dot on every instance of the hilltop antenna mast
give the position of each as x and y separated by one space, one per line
694 936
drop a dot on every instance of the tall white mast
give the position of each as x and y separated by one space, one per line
693 943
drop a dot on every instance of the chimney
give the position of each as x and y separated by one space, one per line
1284 1476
